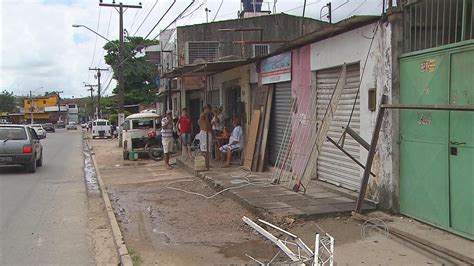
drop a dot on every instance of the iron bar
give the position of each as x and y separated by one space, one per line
443 29
472 18
456 22
437 22
430 107
431 24
348 154
426 24
449 21
357 138
410 29
415 24
371 155
419 27
464 20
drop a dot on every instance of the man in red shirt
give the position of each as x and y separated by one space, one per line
184 128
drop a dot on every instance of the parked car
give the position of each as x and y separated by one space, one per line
71 126
60 124
84 125
40 131
20 146
101 128
49 127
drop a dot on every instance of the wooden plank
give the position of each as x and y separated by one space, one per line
263 91
252 138
266 125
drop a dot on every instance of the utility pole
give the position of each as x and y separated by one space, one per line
31 108
121 84
99 113
91 88
59 103
329 12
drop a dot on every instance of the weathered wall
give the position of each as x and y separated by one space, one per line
275 27
352 47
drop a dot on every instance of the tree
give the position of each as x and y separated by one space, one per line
139 75
7 102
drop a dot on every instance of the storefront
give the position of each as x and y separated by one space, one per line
276 71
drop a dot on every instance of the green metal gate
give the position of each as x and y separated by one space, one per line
437 147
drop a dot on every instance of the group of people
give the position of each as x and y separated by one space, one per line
211 124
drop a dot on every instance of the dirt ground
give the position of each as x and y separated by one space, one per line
162 226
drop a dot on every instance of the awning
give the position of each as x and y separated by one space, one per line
166 92
207 68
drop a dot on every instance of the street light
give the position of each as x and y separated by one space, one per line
98 34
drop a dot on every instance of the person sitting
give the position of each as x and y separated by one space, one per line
235 142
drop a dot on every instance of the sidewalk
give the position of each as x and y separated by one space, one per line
275 200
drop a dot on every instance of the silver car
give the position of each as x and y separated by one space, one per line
20 146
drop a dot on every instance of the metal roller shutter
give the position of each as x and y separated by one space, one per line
333 165
280 111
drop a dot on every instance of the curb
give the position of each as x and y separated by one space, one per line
125 258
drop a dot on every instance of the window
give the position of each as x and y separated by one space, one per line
12 133
101 123
142 124
199 52
260 50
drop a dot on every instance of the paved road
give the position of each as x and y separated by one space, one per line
43 216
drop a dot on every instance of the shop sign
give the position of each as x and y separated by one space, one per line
194 82
276 69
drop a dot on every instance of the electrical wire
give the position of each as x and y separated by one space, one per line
146 17
135 18
96 36
242 179
219 9
107 36
178 17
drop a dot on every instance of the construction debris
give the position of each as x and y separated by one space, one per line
295 249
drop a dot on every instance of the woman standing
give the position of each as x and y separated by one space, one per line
184 128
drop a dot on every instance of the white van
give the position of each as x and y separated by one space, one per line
101 128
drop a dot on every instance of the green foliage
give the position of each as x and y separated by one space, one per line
7 102
139 75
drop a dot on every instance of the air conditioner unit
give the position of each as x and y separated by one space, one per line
260 50
200 52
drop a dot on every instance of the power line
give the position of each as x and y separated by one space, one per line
95 43
146 17
134 19
107 36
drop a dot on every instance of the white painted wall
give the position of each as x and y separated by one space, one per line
352 47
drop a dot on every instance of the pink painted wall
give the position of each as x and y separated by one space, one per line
301 92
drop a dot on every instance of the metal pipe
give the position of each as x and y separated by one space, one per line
348 154
449 22
426 24
431 24
415 24
469 108
357 138
443 29
437 22
456 22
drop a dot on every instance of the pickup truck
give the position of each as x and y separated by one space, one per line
20 146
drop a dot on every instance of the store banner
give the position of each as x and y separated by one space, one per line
276 69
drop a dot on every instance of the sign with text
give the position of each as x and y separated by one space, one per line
276 69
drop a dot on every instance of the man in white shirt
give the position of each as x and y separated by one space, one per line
235 141
167 137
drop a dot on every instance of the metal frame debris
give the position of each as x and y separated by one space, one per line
294 247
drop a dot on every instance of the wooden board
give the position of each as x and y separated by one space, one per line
259 104
252 138
266 125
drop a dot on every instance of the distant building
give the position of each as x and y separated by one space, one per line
45 109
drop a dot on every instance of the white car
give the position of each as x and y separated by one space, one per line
101 128
40 131
71 126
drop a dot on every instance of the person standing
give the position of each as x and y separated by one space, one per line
218 121
167 137
205 139
184 128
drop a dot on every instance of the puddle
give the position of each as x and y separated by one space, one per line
255 248
90 176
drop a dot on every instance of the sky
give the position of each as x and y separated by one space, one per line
41 51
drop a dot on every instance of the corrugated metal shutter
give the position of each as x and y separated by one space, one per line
333 165
280 111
